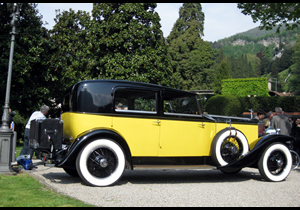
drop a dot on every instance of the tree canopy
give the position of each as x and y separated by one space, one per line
294 83
119 41
30 86
273 14
129 42
191 57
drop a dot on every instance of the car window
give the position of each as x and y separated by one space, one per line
135 100
183 104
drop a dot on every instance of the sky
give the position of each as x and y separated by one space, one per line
221 19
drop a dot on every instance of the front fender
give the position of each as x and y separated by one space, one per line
87 137
251 158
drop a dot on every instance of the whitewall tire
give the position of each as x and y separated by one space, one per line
101 163
226 150
275 164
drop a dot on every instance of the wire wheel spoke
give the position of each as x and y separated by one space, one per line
276 162
231 150
102 162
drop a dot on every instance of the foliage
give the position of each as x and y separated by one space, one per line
273 14
20 123
31 84
245 87
120 41
244 66
288 104
238 50
71 60
294 81
256 35
128 43
222 72
191 57
228 105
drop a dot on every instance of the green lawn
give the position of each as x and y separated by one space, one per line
22 190
18 150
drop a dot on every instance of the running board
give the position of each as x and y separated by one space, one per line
173 167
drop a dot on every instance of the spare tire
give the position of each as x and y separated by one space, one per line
228 146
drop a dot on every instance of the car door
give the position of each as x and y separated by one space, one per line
136 120
183 132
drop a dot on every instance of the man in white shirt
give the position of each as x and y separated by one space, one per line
26 150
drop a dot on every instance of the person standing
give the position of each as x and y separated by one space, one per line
296 129
26 150
267 119
280 120
260 115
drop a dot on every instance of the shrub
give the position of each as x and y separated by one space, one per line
228 105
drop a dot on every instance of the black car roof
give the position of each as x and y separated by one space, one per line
133 84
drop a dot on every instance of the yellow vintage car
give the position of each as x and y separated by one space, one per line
113 125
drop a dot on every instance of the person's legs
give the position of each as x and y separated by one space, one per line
26 149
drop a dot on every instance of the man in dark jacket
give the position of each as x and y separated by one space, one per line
279 120
296 129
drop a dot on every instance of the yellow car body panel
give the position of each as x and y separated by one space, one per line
148 137
140 134
250 131
75 124
184 138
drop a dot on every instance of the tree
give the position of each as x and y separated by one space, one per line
265 64
30 82
222 72
273 14
191 57
191 17
275 68
119 41
129 43
72 59
286 58
295 78
30 86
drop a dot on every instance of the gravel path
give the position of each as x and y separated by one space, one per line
176 188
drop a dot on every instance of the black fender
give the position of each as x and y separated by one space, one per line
251 158
76 146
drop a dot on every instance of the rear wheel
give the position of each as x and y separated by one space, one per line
276 162
101 163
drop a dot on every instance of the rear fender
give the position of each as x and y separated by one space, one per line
251 158
81 141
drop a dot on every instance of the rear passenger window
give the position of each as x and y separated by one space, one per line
128 100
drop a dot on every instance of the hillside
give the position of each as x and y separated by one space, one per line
254 41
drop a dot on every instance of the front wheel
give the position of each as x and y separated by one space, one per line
101 163
276 163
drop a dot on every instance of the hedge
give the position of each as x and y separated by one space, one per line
245 86
231 105
228 105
